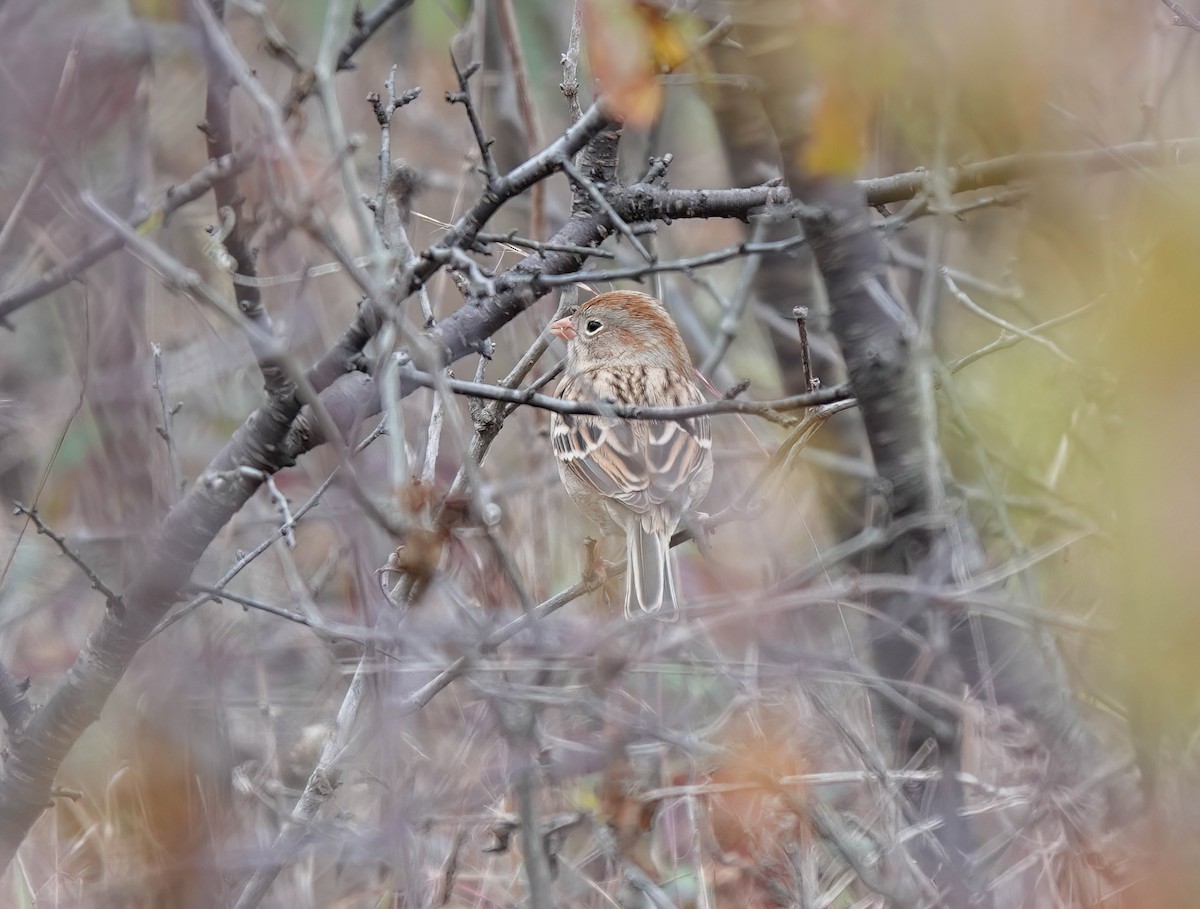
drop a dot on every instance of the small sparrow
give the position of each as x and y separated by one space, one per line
641 476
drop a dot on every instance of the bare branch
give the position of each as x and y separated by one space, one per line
175 198
463 232
330 631
113 599
1182 16
1006 169
218 134
320 786
570 64
974 307
167 412
512 239
14 703
593 191
634 272
507 21
176 275
463 97
18 209
322 780
324 72
366 25
458 667
28 774
771 410
641 202
1008 339
278 534
731 319
239 73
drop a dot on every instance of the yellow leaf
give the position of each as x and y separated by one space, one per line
838 130
668 49
621 52
158 10
152 223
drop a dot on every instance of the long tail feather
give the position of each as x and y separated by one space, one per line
649 579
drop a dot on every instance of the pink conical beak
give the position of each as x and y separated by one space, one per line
563 328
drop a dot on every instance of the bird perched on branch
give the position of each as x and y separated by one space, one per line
640 476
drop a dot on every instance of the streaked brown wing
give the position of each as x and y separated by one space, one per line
675 452
637 462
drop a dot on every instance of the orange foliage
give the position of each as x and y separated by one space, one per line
629 43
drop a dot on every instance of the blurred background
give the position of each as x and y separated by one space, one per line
1061 312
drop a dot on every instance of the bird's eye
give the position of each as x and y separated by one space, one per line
592 326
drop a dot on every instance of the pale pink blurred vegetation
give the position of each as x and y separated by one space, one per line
1091 447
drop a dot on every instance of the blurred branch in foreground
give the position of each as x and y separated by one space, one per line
883 686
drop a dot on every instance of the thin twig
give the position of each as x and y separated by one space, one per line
173 199
538 246
280 501
463 97
507 20
180 277
167 412
901 256
974 307
731 318
490 419
1008 339
331 631
277 534
365 25
1182 16
14 215
320 786
384 108
323 73
800 314
484 509
115 603
433 438
462 233
275 42
322 781
221 46
579 179
638 879
767 409
684 265
570 64
458 667
533 844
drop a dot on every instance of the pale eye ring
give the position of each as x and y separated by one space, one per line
593 326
